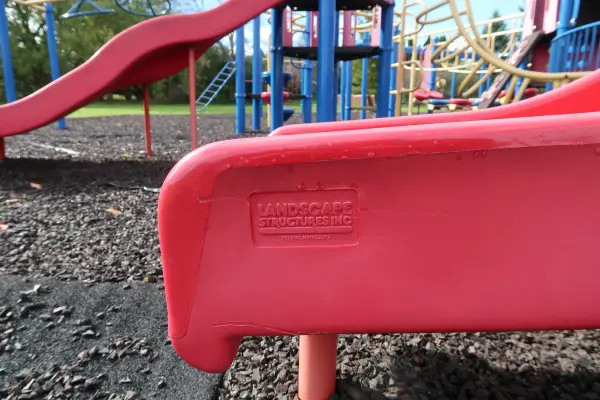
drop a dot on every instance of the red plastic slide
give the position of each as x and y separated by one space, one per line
580 96
467 226
146 52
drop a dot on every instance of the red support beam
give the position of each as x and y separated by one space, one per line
317 366
147 126
2 149
192 84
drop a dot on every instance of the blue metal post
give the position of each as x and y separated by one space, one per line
385 60
53 50
564 16
240 82
277 69
326 88
307 91
256 74
350 80
522 65
364 88
336 65
453 86
347 92
7 67
433 73
307 78
482 86
262 85
343 97
393 72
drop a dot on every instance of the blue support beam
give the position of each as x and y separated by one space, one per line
433 73
240 82
385 60
364 86
307 79
453 86
326 89
307 92
343 89
336 66
257 70
53 50
522 65
277 68
348 76
7 67
564 16
393 82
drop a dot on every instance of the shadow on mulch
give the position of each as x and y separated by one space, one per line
437 375
77 175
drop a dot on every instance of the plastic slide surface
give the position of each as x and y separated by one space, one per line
469 226
146 52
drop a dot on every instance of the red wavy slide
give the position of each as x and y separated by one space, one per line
146 52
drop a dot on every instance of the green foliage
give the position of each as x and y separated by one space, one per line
441 39
501 41
357 76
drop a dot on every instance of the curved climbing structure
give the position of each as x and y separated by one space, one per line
509 74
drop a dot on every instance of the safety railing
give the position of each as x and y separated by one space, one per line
576 50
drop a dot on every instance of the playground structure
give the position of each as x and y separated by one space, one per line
387 203
557 43
465 53
295 34
484 66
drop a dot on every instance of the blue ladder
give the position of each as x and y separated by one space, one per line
216 85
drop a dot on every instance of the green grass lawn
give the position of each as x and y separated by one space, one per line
125 108
105 109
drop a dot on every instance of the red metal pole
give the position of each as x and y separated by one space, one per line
147 121
2 149
317 369
192 84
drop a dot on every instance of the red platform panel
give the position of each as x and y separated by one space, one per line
349 29
426 94
461 102
529 93
474 226
376 27
266 96
288 27
146 52
580 96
